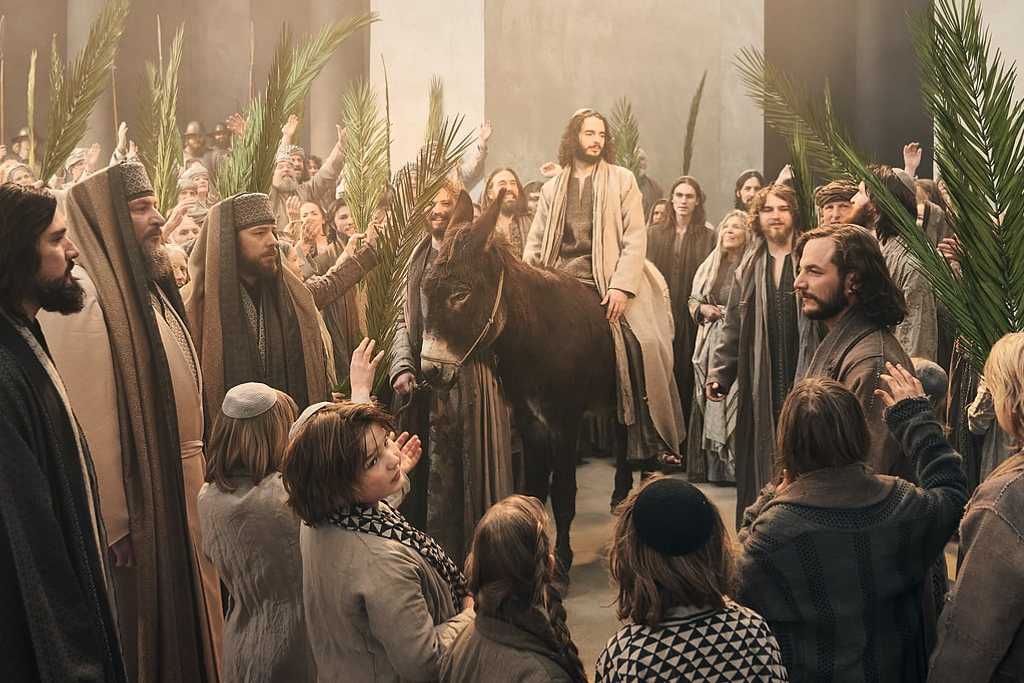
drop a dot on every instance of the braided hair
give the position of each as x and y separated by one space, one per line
510 572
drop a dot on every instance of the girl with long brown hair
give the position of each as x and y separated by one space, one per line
520 623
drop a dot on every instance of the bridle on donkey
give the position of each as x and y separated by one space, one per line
481 336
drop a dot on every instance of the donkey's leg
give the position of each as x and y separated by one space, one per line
563 492
536 452
623 470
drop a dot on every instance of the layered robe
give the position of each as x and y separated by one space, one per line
57 622
169 604
918 333
274 337
345 317
467 456
744 357
618 257
515 231
321 189
678 257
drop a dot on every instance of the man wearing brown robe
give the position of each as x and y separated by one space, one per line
252 319
132 373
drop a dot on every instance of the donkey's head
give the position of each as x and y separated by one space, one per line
464 309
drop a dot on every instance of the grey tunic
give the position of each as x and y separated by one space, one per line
252 538
578 235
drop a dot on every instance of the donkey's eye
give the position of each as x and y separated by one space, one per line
459 296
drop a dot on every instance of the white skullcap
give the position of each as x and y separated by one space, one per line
304 417
248 400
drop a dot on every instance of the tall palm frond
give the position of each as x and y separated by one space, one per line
75 87
160 150
626 133
365 173
435 109
691 124
31 113
412 193
803 177
782 101
250 165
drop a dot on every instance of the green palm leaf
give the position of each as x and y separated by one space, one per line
250 165
691 124
365 173
803 177
160 148
435 109
74 88
626 134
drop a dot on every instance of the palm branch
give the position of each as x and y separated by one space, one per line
803 177
250 165
160 149
31 113
626 133
365 173
691 124
435 108
412 193
76 86
783 102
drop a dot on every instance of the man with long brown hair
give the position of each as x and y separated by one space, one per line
843 283
590 224
764 340
513 221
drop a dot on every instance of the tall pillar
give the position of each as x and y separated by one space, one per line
102 128
217 56
350 63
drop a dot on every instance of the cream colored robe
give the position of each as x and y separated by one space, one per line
619 262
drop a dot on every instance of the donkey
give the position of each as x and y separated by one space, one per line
552 341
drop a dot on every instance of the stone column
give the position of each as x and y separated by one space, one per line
350 63
101 122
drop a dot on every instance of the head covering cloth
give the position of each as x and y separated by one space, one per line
835 191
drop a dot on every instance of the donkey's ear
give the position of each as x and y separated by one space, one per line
463 211
484 226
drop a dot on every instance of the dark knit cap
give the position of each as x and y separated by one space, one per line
673 517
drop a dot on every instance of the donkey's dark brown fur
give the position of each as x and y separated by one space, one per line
555 356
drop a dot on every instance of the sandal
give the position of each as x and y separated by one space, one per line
669 462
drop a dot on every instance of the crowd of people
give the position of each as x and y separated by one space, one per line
187 495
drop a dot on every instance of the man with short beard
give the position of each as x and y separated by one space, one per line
918 333
513 221
253 320
833 201
57 621
650 189
133 376
290 181
765 339
466 431
844 284
590 224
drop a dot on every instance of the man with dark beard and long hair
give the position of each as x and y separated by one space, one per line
590 224
843 283
133 377
513 221
677 248
57 622
466 431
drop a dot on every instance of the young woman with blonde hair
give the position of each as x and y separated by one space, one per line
519 628
981 634
673 562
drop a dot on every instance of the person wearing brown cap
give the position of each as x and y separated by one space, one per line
673 563
133 377
290 185
833 201
252 319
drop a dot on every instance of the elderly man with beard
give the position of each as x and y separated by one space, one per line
650 189
844 283
833 201
766 340
132 374
590 224
918 333
513 221
291 186
57 620
468 434
253 320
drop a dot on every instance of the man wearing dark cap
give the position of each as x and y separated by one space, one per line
57 622
133 377
290 180
833 201
253 320
195 146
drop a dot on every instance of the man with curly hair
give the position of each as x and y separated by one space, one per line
590 224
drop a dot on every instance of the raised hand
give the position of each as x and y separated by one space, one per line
901 384
550 169
122 138
342 136
912 153
236 124
92 158
484 133
412 449
362 369
290 126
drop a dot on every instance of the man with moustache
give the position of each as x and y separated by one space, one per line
467 448
844 284
513 221
132 374
57 620
291 185
590 224
833 201
251 319
764 341
918 333
648 187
